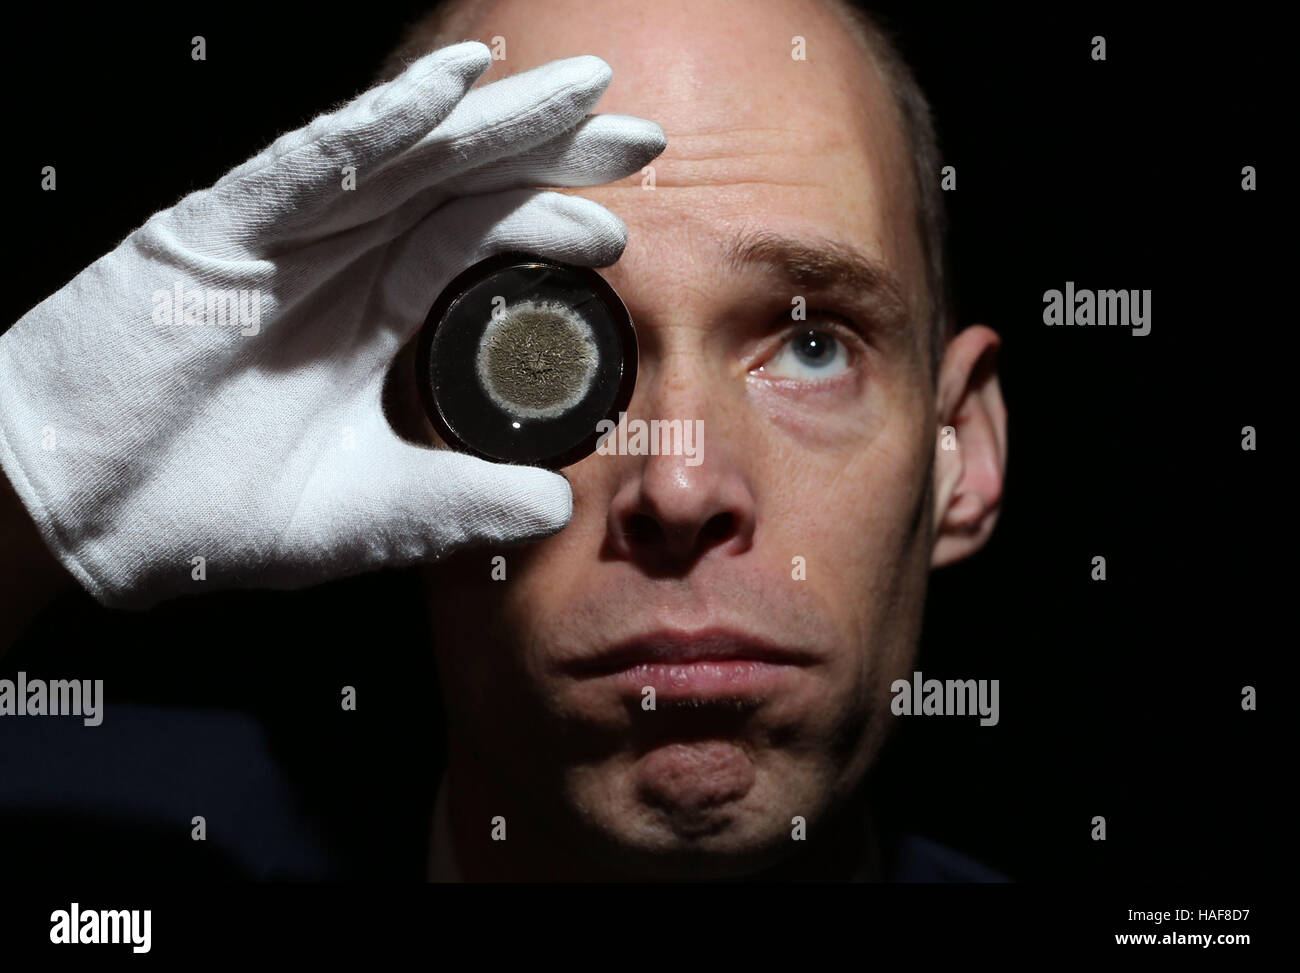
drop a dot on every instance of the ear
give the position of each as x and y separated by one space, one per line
971 457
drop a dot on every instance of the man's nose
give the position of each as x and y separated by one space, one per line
669 511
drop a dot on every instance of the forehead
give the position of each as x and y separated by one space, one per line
758 140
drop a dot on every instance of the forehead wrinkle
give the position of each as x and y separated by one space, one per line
735 158
741 142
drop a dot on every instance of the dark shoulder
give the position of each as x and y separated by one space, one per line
916 859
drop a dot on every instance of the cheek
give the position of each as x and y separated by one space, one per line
472 610
545 576
849 497
463 605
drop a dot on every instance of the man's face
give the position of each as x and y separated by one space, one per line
794 556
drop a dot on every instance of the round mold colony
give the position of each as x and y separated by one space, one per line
536 359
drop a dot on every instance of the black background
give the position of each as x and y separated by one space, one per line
1119 699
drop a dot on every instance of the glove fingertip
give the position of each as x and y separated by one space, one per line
599 69
470 58
541 502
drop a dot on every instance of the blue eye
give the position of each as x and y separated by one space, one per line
809 355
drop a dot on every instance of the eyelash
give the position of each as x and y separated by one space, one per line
842 327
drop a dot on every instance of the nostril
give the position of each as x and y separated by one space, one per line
718 528
642 529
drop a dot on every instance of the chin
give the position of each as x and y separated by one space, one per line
685 812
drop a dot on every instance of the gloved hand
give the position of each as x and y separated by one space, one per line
142 431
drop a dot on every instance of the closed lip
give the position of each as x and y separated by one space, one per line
673 647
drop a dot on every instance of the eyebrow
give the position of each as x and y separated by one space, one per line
826 265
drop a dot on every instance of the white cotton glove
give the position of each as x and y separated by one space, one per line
139 440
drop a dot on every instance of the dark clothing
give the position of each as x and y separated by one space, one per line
120 798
